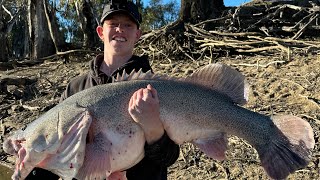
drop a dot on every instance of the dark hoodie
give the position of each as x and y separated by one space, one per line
159 155
95 76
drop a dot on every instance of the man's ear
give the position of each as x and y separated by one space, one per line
99 30
138 34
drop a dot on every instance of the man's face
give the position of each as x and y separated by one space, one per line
119 34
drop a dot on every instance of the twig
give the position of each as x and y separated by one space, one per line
30 108
268 48
181 49
259 65
313 118
235 34
299 33
312 100
293 28
211 20
7 11
292 82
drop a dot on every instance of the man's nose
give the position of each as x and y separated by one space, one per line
119 27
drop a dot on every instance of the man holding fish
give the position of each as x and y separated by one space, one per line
120 30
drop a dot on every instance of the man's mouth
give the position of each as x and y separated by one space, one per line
119 39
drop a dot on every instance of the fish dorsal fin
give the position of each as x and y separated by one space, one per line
132 76
224 79
140 75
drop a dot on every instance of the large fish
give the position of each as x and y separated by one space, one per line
91 134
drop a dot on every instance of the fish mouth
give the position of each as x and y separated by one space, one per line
12 146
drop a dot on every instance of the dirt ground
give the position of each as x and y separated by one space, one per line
278 86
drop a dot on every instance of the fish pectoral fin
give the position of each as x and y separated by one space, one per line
214 146
70 155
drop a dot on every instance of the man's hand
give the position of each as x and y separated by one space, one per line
144 109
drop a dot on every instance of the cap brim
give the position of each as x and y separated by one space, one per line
119 11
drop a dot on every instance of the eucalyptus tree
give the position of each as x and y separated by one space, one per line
81 18
157 14
10 13
41 43
50 12
87 21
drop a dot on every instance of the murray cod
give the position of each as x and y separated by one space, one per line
91 135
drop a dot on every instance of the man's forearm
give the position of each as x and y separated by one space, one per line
164 151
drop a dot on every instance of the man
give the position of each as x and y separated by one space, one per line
119 31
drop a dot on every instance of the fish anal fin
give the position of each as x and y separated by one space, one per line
214 147
291 148
224 79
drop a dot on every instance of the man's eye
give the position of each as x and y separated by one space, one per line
113 24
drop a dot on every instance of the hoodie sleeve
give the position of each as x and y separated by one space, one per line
164 151
77 84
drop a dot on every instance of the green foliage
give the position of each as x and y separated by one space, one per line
158 14
69 20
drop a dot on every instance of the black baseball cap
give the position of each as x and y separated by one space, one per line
123 6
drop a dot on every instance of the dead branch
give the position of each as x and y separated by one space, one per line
312 100
299 33
30 108
260 65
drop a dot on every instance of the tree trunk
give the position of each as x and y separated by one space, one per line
53 26
18 37
3 47
87 22
3 34
196 11
41 43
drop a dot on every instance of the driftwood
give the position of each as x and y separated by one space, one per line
265 28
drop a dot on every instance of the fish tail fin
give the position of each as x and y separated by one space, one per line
291 150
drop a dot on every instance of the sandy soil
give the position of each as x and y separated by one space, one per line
278 86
